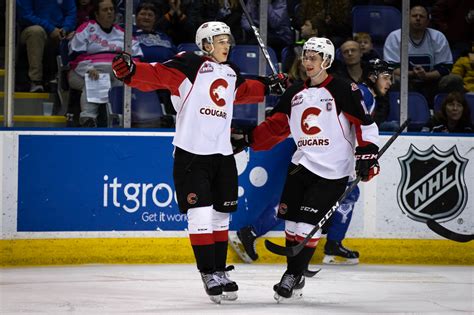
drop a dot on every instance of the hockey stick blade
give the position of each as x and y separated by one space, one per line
311 273
294 250
446 233
238 247
282 250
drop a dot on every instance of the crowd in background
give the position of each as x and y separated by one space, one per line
441 44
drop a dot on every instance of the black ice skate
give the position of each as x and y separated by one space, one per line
248 237
212 286
336 254
289 287
229 287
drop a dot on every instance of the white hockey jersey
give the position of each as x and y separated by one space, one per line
325 122
203 93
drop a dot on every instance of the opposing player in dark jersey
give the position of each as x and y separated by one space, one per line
330 127
376 82
203 91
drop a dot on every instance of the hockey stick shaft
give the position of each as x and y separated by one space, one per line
294 250
446 233
259 38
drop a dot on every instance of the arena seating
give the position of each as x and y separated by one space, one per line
418 109
146 108
377 20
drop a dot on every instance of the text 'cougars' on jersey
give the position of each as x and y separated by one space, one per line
312 142
213 112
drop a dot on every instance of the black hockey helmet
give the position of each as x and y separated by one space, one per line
378 66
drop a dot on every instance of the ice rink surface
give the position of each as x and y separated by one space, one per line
177 289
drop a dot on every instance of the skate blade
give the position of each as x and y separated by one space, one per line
238 247
229 296
215 298
297 295
336 260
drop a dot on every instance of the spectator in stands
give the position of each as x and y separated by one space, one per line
84 9
455 18
353 67
312 27
454 116
279 32
180 20
297 72
155 44
461 77
121 8
336 14
428 52
227 11
91 51
43 24
366 46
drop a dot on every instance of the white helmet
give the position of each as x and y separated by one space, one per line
320 45
208 30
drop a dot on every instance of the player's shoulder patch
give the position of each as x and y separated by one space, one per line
188 55
293 90
354 87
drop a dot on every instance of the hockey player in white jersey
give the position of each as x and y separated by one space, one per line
327 150
203 91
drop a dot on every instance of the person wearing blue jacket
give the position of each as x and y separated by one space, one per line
43 24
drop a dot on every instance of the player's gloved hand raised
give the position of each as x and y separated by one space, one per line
123 66
367 165
276 83
239 139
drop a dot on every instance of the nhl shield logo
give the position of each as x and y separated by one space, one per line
432 184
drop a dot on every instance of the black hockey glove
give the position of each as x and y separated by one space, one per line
123 66
240 140
367 165
276 83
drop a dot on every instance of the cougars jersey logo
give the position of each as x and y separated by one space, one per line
309 121
217 91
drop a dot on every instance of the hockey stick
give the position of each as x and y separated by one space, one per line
259 38
294 250
450 235
311 273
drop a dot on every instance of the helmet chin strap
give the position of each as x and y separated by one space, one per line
322 68
318 74
212 56
212 50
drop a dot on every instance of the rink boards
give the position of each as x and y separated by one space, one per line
108 196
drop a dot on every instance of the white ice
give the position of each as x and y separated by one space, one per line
177 289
